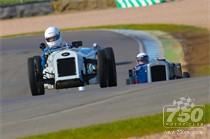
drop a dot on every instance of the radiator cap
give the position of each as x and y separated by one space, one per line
65 54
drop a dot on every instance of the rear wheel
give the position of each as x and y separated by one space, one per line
111 67
102 69
35 76
186 75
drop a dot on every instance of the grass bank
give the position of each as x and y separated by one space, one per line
135 127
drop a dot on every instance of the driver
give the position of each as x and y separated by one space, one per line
53 40
140 69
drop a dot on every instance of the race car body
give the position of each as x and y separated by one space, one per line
156 70
73 66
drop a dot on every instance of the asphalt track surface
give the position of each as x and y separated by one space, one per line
21 114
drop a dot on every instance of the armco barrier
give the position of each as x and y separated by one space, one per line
6 3
137 3
26 9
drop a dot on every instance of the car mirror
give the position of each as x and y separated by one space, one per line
42 46
77 44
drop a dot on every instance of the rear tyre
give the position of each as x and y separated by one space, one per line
35 76
102 68
111 67
186 75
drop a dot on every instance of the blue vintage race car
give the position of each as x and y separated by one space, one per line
73 66
156 70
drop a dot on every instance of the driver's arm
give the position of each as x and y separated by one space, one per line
44 56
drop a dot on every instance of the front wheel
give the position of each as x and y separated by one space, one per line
102 68
111 67
35 76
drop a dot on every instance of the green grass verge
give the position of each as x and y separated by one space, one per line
161 27
171 53
172 48
135 127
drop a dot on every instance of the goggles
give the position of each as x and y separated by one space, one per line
52 39
144 58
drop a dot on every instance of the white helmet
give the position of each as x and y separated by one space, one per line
53 37
142 57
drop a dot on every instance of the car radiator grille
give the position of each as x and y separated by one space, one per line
66 67
158 73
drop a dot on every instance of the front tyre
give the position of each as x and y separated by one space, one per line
111 67
102 68
35 76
